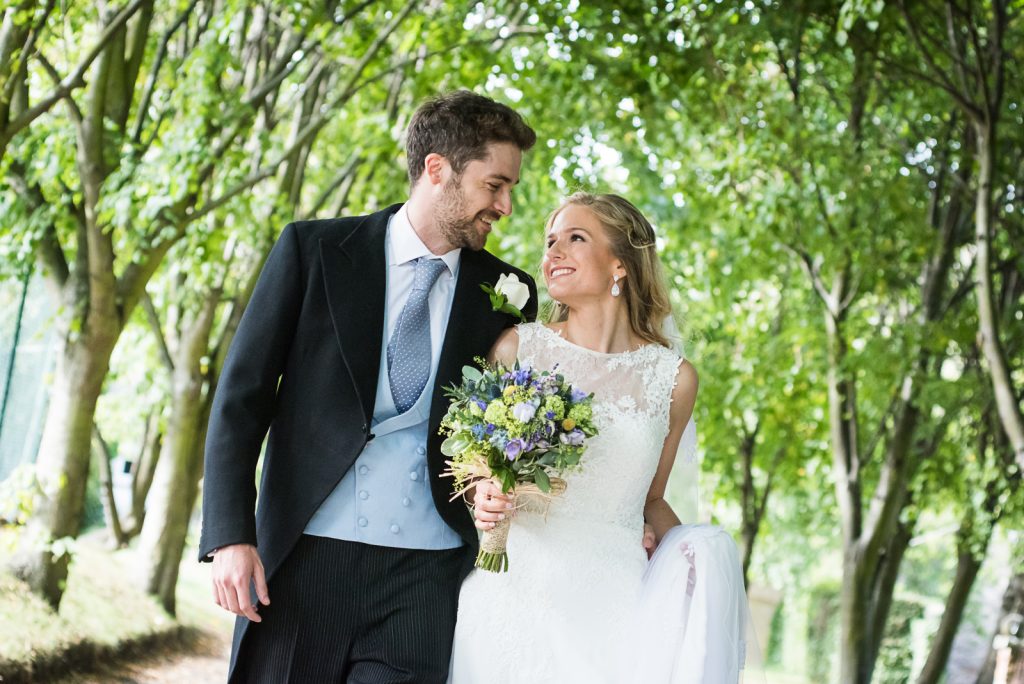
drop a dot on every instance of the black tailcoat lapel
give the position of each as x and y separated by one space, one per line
472 328
355 276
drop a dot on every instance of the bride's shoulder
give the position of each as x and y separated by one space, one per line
528 331
684 391
506 348
524 337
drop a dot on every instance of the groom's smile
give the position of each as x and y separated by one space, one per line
471 202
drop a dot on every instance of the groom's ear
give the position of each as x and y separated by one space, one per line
434 167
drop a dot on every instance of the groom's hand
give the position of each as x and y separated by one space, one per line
234 567
490 505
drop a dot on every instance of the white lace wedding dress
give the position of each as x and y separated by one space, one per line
574 605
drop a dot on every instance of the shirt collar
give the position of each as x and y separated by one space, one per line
406 244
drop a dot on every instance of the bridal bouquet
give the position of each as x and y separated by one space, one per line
521 427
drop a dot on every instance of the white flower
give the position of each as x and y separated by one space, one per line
516 292
524 411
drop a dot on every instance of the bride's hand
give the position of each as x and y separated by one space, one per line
650 541
489 505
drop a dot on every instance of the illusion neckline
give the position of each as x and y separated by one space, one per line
557 334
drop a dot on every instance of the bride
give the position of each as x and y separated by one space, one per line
581 602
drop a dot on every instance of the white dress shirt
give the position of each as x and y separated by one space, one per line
401 248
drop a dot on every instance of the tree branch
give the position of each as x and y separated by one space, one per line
75 79
154 325
335 183
26 50
73 110
161 52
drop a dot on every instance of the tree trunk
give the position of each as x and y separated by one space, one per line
749 534
1003 662
143 471
855 667
110 514
967 567
173 494
885 584
62 466
180 467
1007 402
854 597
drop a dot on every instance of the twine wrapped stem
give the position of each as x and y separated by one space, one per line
493 555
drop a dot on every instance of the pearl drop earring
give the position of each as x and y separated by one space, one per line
616 290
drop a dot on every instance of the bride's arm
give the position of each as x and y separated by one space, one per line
657 512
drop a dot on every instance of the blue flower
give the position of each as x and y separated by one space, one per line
499 438
479 432
514 448
578 395
573 438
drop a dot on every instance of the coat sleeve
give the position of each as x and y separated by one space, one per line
246 397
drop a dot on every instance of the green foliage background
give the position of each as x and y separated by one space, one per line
755 135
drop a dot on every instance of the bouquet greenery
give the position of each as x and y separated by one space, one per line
520 427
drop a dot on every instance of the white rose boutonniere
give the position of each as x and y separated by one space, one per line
508 295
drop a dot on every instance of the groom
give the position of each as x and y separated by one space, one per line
350 569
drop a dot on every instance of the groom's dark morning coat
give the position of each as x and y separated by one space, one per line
304 363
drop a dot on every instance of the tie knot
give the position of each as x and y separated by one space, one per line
427 271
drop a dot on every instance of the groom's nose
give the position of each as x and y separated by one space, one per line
503 203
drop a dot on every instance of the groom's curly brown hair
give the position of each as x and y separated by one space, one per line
459 126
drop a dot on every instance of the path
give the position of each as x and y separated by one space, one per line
206 661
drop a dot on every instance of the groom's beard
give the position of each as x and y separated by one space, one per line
457 229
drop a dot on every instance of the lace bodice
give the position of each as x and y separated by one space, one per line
632 396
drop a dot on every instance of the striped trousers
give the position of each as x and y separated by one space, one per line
342 611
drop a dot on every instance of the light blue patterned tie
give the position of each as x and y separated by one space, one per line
409 347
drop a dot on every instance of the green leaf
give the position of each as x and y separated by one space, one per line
541 479
447 447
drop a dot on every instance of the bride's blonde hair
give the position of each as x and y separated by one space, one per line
633 243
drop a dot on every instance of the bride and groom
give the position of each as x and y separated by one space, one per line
353 566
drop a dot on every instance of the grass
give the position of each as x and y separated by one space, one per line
104 614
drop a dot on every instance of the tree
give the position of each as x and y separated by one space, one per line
22 28
114 226
965 53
